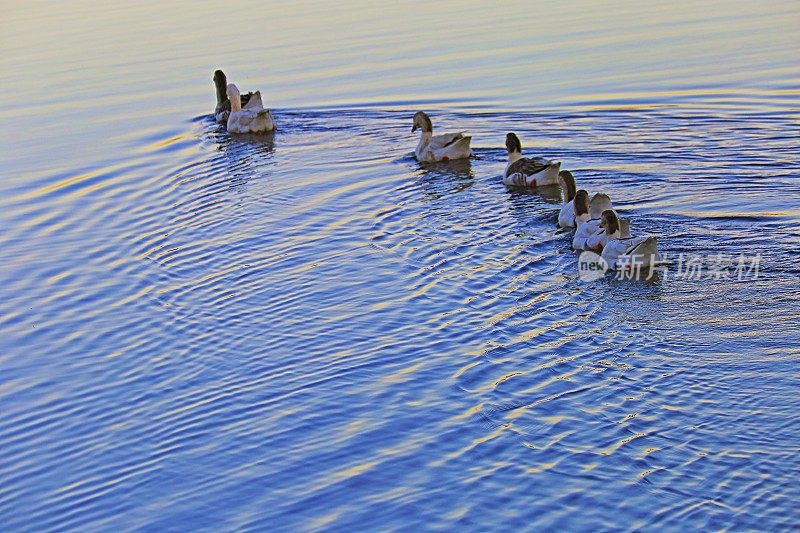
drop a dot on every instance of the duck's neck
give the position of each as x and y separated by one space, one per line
424 140
221 95
512 158
236 103
569 190
580 219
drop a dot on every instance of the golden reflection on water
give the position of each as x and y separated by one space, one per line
312 53
499 362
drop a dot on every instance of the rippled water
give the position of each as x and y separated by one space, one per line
313 331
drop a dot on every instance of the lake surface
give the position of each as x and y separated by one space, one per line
312 331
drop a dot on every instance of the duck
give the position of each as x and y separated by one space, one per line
609 229
566 217
625 251
588 226
443 147
223 108
252 118
528 171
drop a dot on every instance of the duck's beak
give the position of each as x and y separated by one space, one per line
413 128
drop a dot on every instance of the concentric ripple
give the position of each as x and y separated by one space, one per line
350 338
312 331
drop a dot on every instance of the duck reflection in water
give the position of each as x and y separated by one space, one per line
247 156
442 179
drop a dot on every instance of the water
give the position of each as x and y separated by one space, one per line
312 331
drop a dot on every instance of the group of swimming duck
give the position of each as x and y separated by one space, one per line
597 226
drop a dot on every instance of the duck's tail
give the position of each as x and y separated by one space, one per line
461 143
254 101
646 252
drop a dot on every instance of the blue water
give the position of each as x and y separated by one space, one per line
312 331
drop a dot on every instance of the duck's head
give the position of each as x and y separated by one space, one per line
600 202
581 203
568 184
609 221
512 143
421 121
220 81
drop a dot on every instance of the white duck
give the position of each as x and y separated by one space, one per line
566 217
252 118
609 229
588 227
630 252
223 109
442 147
528 171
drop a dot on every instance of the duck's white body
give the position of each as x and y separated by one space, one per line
587 227
528 171
599 239
444 147
223 109
631 252
566 217
589 224
252 118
